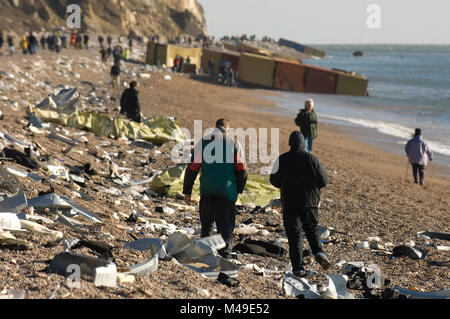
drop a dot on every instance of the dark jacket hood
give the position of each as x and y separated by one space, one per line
296 141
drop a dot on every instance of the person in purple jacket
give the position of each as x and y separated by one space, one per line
418 154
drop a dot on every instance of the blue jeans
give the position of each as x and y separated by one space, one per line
308 144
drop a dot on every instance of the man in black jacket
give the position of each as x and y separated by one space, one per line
300 177
129 103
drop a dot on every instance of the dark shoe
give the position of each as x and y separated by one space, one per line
302 273
416 182
322 259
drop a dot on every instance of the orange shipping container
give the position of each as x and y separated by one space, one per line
320 80
289 75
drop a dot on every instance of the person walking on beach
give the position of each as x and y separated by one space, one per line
115 75
100 41
2 42
307 121
24 44
129 103
12 49
300 176
418 153
221 180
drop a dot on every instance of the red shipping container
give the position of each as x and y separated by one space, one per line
289 75
320 80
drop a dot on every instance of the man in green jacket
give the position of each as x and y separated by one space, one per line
223 177
307 120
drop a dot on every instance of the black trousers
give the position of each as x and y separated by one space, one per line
418 170
217 209
296 220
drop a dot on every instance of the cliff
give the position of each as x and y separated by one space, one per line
145 17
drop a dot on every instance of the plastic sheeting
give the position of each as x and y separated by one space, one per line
157 131
258 189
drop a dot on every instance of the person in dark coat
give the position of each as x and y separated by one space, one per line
129 103
300 176
307 121
222 180
100 41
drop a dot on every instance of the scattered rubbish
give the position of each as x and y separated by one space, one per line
9 241
9 221
40 229
147 244
20 158
437 294
299 288
260 248
56 136
103 249
55 201
325 232
167 77
125 279
337 288
144 269
21 173
12 294
88 266
434 235
246 230
106 276
10 183
444 248
227 280
14 203
363 245
408 251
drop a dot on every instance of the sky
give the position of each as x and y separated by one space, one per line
332 21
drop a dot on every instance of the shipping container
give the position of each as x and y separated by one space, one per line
195 54
151 52
289 75
320 80
256 69
351 84
314 52
208 54
291 44
164 54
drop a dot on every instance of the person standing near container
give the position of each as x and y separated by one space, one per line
418 153
300 176
307 121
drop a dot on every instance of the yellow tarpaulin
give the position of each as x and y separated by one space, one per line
157 131
258 189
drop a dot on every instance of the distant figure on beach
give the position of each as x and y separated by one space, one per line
32 43
307 121
2 42
24 44
418 153
300 176
115 75
11 44
211 65
43 41
221 181
109 40
129 103
100 41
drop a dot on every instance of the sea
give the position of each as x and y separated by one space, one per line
409 87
